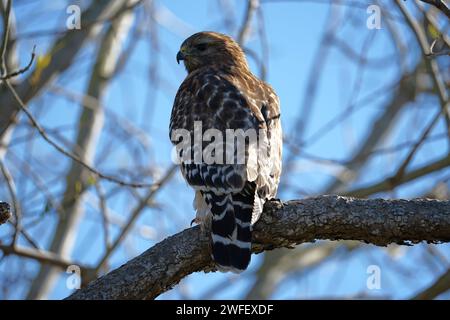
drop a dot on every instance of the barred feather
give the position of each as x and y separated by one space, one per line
231 228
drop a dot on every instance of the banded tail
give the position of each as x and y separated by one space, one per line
231 229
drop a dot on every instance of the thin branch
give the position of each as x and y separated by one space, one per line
63 52
440 5
404 93
401 170
392 182
375 152
23 70
104 214
67 153
6 26
441 285
375 221
244 32
42 256
445 52
431 63
134 215
443 37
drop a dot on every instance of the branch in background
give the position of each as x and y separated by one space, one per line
432 65
70 154
408 159
381 127
42 256
405 94
62 55
134 215
440 5
375 221
442 41
392 182
10 59
23 70
89 127
252 6
6 26
441 285
5 212
282 263
445 52
334 21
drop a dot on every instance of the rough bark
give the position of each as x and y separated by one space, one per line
283 224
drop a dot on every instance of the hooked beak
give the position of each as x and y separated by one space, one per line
180 56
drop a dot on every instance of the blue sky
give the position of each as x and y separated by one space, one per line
293 31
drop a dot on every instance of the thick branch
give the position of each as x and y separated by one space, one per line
375 221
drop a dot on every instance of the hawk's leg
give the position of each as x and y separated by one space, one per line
203 213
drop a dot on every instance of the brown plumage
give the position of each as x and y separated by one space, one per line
222 93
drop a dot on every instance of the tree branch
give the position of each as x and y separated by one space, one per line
375 221
62 54
244 31
23 70
390 183
440 5
89 127
441 285
45 257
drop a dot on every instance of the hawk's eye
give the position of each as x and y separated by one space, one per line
201 46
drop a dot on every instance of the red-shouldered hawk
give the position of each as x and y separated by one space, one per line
221 93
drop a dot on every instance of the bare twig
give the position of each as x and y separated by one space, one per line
441 285
431 64
392 182
404 93
62 52
89 125
134 215
401 170
440 5
104 214
45 257
67 153
6 26
252 6
445 52
20 71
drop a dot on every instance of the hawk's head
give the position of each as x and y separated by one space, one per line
210 49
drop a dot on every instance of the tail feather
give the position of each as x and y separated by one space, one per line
231 229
